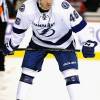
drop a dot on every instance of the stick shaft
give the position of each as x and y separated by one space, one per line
47 49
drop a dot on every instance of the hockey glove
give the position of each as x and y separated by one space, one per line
8 49
88 49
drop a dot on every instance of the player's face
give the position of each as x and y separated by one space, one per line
45 4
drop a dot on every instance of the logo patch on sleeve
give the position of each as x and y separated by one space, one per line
17 21
65 5
22 8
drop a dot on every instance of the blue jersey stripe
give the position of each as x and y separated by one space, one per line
12 46
18 31
59 42
79 27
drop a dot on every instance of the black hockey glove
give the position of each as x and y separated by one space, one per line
88 49
8 49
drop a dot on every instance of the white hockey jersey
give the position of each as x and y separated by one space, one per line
52 29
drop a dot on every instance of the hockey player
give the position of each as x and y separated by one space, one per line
52 22
3 26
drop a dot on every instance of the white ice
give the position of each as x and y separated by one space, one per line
49 84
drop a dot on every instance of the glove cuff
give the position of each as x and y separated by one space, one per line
90 43
10 47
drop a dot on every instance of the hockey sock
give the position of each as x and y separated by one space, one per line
72 84
25 83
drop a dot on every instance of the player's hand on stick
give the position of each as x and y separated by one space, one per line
8 49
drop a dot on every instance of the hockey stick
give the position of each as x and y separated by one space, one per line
47 49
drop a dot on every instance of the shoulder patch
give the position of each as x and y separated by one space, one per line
17 21
22 8
65 5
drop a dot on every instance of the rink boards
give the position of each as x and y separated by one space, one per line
50 56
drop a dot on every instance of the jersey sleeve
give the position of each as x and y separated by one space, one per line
76 21
85 35
72 17
22 18
21 24
79 26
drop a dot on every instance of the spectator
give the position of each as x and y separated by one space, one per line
3 25
91 5
11 8
78 5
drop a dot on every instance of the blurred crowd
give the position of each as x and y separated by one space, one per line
11 8
80 5
85 5
13 5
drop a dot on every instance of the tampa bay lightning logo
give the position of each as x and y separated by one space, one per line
18 21
44 16
47 32
45 26
22 8
65 5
